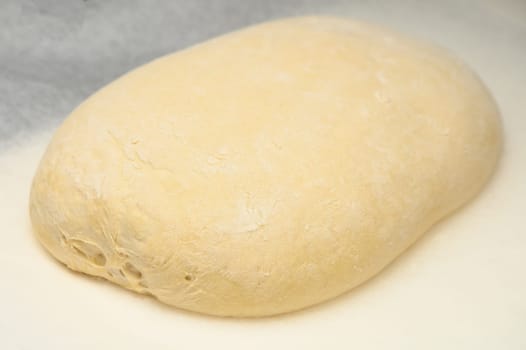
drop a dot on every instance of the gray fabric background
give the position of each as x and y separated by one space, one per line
55 53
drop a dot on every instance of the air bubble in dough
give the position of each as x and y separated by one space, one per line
266 170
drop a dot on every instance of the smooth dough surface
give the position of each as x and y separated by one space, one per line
265 170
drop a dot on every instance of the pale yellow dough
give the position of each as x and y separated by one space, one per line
266 170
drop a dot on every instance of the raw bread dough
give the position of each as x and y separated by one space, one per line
266 170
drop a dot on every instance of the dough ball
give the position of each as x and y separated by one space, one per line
265 170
